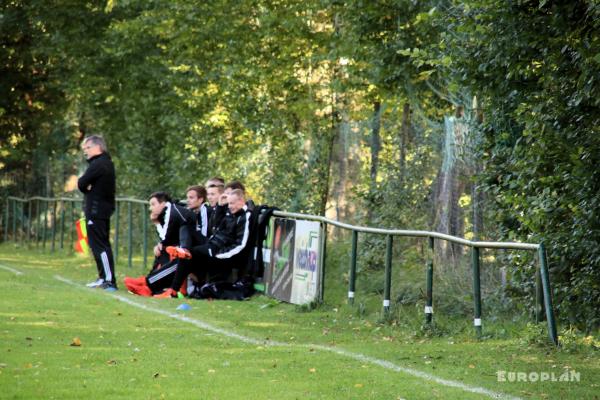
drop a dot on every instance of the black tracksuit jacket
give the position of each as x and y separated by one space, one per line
231 237
215 216
176 225
201 229
99 201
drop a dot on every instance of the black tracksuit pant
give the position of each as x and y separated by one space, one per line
162 273
99 241
203 264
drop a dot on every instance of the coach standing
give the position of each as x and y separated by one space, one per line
98 187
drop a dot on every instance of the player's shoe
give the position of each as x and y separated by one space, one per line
167 294
178 252
98 282
142 290
109 286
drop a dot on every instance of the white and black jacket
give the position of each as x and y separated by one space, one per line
176 225
231 237
201 228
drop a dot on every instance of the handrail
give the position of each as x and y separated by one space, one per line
25 200
412 233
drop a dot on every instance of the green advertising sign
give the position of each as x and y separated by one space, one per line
292 268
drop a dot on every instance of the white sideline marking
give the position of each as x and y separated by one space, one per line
269 343
16 272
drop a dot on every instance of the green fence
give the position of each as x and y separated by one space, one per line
542 278
50 222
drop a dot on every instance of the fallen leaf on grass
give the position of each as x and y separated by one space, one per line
76 342
358 385
471 366
112 362
312 370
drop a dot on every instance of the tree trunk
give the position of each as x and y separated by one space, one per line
375 148
404 139
340 167
375 143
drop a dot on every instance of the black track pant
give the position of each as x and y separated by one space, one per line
98 231
202 264
162 277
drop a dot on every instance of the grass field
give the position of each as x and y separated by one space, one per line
60 340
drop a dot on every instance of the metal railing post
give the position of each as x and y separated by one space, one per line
130 234
22 208
352 277
388 274
476 290
72 225
324 259
29 222
145 237
539 296
6 214
14 221
45 226
545 276
62 224
53 245
37 222
429 289
116 249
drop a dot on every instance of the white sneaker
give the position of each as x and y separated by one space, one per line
96 283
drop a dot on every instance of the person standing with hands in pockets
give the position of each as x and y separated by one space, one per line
98 185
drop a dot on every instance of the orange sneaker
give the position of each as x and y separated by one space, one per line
167 294
178 252
128 281
142 290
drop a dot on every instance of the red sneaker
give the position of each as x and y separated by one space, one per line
142 290
178 252
128 281
167 294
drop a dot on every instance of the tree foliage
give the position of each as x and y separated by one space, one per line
328 106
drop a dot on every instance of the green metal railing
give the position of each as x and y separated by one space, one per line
61 213
42 219
543 289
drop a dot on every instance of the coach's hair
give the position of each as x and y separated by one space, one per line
162 197
96 140
200 191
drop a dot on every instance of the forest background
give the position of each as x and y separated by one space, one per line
477 118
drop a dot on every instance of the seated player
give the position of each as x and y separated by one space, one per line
222 251
216 211
195 196
176 228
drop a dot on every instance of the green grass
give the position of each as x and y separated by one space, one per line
133 353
